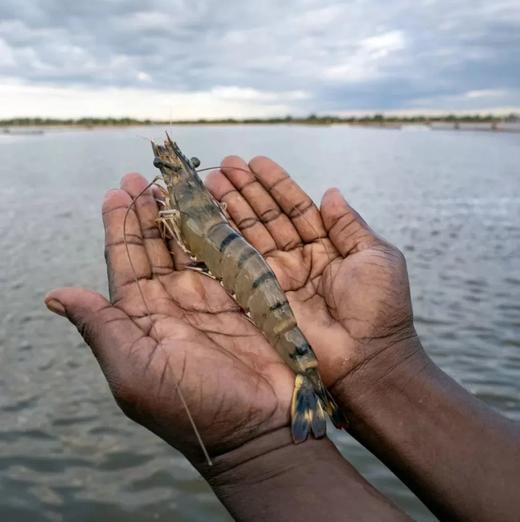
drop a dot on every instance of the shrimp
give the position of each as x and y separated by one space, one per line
197 221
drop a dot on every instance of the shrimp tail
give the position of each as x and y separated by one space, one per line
307 413
327 401
310 402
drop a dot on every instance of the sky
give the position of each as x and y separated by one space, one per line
189 59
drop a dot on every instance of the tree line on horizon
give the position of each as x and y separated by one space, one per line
378 118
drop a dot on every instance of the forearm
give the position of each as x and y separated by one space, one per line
459 456
271 479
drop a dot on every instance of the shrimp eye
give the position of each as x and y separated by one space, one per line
195 162
157 162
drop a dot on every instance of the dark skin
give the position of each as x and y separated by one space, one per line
349 290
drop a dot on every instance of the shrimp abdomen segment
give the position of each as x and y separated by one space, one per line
206 245
295 350
246 274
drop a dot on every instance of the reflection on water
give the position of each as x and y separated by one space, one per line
450 201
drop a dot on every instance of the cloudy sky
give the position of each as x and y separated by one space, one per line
217 58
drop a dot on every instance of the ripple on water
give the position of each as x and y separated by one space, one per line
435 321
20 404
117 460
73 420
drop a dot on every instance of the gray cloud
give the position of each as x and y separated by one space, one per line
344 55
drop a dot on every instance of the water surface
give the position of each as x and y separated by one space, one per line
449 200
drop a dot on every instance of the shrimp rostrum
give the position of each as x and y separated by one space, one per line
199 224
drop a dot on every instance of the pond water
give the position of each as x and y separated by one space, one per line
450 200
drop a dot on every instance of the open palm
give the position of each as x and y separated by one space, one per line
348 287
186 332
180 329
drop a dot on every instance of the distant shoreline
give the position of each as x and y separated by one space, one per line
510 123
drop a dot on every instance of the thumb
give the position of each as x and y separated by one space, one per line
78 305
109 332
103 326
346 228
84 309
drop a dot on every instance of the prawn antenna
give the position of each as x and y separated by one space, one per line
149 313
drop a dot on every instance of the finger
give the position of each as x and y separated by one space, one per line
125 262
181 257
241 212
295 203
220 188
346 228
161 261
264 206
106 329
158 193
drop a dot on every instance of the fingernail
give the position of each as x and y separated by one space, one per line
55 306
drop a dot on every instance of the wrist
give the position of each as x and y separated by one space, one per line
258 460
271 478
365 388
256 481
421 424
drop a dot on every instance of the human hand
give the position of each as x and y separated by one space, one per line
350 293
237 388
348 287
235 385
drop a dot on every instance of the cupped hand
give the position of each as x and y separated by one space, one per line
348 287
175 328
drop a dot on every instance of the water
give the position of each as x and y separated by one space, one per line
449 200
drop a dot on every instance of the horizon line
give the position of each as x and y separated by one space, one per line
371 115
